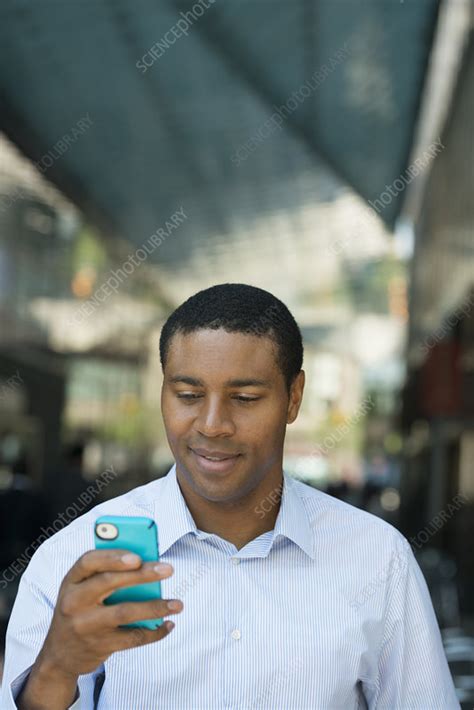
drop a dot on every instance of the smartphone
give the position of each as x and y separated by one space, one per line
137 534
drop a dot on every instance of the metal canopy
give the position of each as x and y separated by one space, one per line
165 137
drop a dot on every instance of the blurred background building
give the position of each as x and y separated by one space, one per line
320 150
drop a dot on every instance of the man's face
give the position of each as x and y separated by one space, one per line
224 394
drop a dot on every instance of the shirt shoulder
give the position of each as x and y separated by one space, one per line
344 523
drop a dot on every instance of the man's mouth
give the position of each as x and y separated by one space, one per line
215 455
214 462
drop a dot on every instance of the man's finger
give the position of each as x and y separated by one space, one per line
129 612
95 561
95 589
131 638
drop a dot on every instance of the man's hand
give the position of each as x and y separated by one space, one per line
84 632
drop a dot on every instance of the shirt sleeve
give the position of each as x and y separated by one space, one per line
27 628
413 671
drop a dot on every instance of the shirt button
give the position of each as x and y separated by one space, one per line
236 634
235 560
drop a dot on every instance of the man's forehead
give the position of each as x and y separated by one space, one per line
233 355
208 339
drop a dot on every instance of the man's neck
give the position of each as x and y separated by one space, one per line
239 522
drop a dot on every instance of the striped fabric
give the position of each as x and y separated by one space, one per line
327 611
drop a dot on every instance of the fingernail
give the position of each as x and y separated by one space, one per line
162 567
130 558
174 605
169 625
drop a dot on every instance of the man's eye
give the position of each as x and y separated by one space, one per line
239 398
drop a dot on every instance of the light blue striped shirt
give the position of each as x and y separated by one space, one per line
327 611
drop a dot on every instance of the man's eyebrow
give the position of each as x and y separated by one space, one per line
247 382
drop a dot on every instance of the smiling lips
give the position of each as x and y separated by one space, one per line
214 461
214 455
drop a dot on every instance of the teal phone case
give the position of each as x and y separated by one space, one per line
140 535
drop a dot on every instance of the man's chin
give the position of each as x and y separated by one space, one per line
213 487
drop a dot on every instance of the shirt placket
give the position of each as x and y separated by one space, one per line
236 640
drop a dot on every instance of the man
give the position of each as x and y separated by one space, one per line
287 597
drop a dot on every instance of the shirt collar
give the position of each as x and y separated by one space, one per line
171 510
292 521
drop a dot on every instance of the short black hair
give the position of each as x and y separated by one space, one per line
239 308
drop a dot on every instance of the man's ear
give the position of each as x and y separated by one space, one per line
296 397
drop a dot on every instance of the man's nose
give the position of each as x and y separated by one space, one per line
214 419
